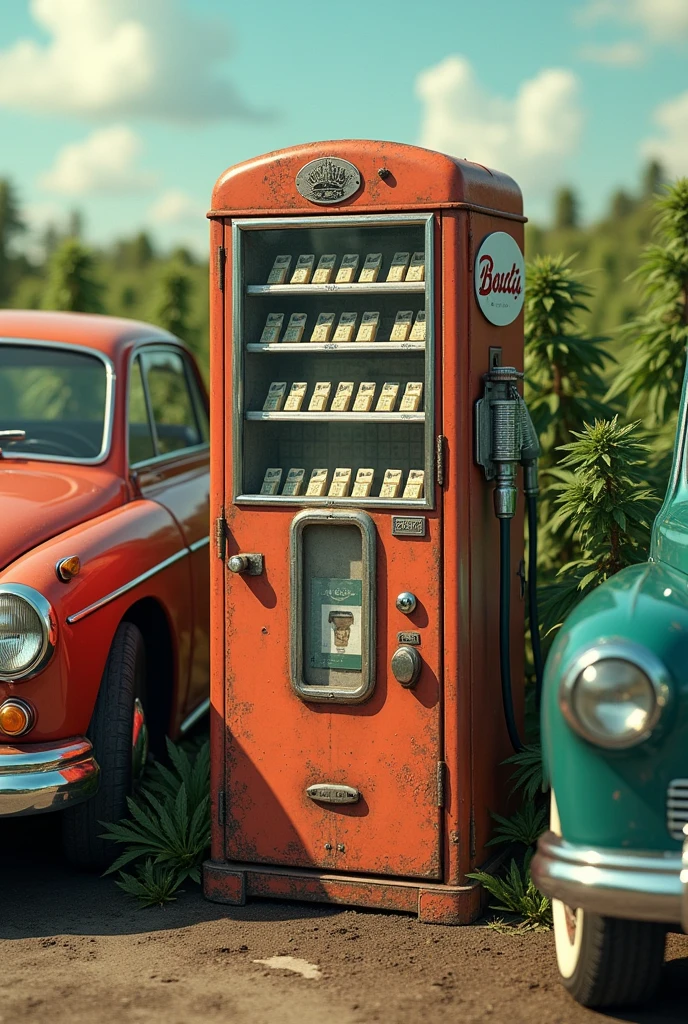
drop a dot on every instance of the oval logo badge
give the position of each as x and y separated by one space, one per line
328 180
500 277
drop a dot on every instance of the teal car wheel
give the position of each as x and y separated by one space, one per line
605 961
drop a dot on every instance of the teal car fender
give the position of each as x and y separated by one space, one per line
611 798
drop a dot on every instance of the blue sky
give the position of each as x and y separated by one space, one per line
129 110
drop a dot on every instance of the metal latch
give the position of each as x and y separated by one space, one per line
331 793
252 564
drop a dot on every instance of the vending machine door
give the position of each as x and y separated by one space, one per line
333 627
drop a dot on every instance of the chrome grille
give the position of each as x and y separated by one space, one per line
677 807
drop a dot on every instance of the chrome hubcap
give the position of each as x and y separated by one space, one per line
139 743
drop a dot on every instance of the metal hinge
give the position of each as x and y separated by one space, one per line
221 807
440 444
221 259
441 775
221 537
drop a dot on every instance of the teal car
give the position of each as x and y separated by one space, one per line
615 746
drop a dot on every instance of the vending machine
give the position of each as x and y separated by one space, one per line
365 298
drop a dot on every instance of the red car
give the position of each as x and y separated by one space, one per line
104 562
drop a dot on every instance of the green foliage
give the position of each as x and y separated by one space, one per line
524 826
172 302
528 774
72 281
565 208
169 826
515 893
653 376
152 884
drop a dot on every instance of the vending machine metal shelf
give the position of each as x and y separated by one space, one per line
375 288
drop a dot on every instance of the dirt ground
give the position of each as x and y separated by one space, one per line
75 949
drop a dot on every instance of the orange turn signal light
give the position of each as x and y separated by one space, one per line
68 568
16 717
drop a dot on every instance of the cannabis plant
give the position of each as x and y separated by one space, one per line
524 826
528 774
516 893
152 884
651 379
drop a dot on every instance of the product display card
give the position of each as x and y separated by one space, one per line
341 482
294 482
402 325
363 483
303 271
347 269
275 396
388 398
271 481
371 268
317 485
320 396
345 327
272 329
343 396
364 397
323 327
391 483
418 329
416 270
410 401
368 328
414 484
397 270
335 623
295 328
325 269
280 269
296 395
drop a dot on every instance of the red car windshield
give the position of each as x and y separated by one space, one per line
58 397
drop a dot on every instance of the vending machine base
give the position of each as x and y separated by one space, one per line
226 882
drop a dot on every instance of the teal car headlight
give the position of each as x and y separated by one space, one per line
27 631
614 694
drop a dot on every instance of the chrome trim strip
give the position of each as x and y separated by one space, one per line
642 886
195 716
169 456
44 777
198 544
44 611
78 616
622 650
108 412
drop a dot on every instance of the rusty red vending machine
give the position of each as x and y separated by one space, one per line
360 292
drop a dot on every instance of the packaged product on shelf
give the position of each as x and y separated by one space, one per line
275 396
296 395
272 329
341 482
368 328
343 395
387 399
271 481
413 393
371 268
323 327
295 328
391 483
418 329
345 327
303 271
364 396
320 396
414 484
347 268
363 483
294 481
402 325
397 270
280 269
325 269
317 485
416 270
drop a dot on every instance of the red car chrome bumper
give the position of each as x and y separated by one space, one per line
46 776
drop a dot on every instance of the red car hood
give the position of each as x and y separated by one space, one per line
40 500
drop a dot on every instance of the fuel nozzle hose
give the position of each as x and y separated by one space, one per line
504 630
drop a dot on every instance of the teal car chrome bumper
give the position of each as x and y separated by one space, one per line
46 776
615 883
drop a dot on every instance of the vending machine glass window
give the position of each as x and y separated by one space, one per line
333 361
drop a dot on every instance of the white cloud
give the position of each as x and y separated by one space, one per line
670 147
664 21
624 54
103 162
530 137
115 58
175 207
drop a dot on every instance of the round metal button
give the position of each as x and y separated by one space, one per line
238 563
406 665
406 602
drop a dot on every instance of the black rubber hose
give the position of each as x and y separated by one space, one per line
504 631
533 617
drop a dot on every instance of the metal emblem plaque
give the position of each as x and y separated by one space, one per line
328 180
329 793
408 526
412 639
